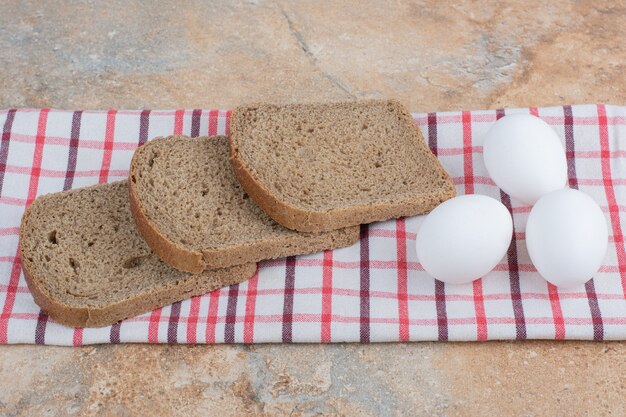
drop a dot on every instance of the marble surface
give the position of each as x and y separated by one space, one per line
431 55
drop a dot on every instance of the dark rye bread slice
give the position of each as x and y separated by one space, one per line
193 213
87 266
319 167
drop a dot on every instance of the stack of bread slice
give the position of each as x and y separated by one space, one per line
197 214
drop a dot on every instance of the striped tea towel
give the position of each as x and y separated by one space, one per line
373 291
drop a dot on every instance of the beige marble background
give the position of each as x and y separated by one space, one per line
432 55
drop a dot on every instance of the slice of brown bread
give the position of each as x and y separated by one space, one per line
87 266
193 213
318 167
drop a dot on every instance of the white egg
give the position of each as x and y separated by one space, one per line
464 238
567 237
525 157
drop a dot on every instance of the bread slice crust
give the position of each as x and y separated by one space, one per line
54 291
297 216
276 242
